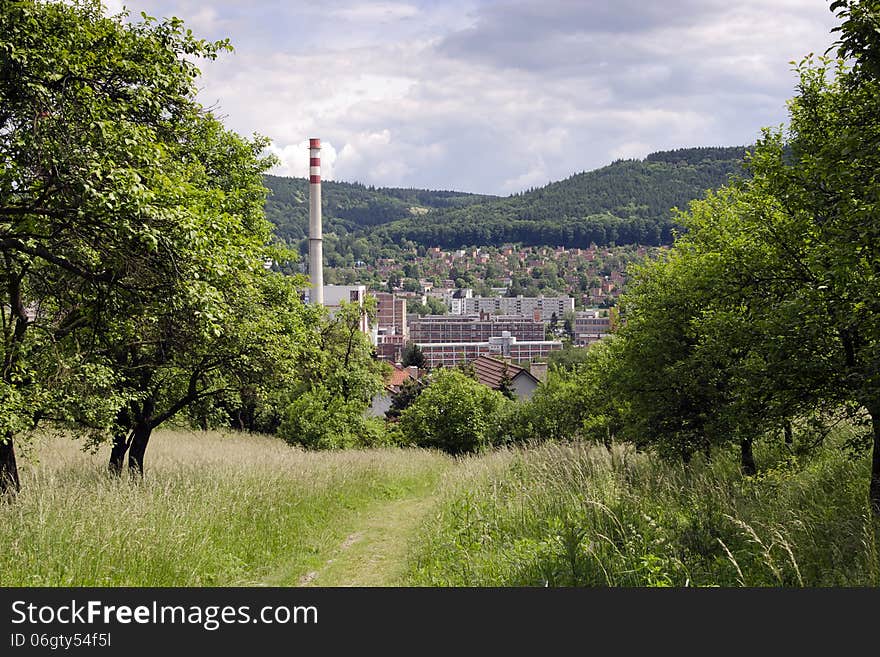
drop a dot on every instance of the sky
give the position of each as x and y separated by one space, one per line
496 97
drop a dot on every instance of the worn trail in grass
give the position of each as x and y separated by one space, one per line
213 510
374 554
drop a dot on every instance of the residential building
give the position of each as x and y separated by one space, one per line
492 372
382 399
519 305
334 295
590 326
390 328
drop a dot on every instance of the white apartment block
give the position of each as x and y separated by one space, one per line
544 307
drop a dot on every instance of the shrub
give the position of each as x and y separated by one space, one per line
454 413
318 419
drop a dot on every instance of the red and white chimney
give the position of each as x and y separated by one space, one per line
316 248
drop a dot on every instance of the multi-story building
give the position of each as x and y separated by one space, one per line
590 326
546 307
507 346
453 328
390 312
334 295
390 328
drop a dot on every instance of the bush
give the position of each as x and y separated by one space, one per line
318 419
454 413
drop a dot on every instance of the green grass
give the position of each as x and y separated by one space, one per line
213 510
563 515
230 510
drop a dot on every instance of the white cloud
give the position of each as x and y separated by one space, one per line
294 159
375 12
488 97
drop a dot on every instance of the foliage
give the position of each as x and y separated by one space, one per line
413 357
338 375
123 204
454 413
767 307
572 403
409 391
350 208
626 202
319 418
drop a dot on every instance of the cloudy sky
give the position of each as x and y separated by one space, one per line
497 96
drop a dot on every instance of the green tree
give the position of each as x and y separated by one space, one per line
182 356
454 413
505 387
338 378
394 281
95 201
413 357
675 389
436 306
409 391
789 317
574 402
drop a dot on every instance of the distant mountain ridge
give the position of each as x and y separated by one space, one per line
352 207
627 201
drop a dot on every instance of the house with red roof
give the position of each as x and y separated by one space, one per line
492 373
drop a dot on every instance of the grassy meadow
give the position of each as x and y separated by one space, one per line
229 509
213 510
581 515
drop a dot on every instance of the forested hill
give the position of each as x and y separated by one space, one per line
628 201
352 207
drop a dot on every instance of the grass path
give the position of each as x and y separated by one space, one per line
374 554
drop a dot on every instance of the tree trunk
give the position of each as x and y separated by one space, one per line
874 489
9 482
747 458
117 454
139 438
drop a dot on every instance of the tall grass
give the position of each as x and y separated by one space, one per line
213 509
578 514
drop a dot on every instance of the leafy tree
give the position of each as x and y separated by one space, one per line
394 281
320 418
574 402
789 314
95 202
338 377
436 306
567 358
505 387
454 413
413 357
409 391
186 356
568 318
674 389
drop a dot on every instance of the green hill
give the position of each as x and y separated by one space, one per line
628 201
352 207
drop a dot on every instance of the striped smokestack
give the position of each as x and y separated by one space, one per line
316 249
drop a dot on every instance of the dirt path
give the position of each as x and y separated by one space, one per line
375 553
